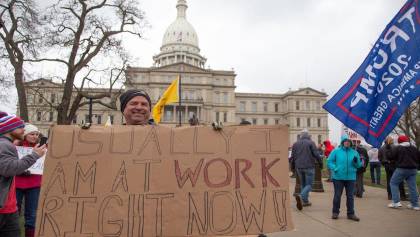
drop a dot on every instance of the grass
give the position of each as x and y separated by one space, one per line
22 225
367 179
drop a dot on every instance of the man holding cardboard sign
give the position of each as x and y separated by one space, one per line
161 181
136 107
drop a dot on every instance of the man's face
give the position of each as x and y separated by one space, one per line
346 143
137 111
17 134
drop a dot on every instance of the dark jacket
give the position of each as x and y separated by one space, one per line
304 153
11 165
385 156
406 156
364 158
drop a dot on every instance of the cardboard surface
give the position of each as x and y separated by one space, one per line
163 181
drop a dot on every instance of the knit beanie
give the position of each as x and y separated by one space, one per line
402 138
9 122
130 94
30 128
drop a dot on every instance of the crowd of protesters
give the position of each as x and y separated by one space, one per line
347 162
346 165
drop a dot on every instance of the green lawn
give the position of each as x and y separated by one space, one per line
368 180
367 177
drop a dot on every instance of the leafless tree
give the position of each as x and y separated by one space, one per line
18 34
409 123
82 36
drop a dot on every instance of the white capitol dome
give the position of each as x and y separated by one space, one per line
180 42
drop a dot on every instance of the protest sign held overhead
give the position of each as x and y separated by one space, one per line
388 80
163 181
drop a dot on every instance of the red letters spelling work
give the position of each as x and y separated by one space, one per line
193 176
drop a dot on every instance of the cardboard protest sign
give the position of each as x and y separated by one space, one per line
38 167
162 181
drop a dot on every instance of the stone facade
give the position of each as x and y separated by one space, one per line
208 94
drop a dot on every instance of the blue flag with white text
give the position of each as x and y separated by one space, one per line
382 88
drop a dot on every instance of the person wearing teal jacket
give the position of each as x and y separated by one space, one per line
343 162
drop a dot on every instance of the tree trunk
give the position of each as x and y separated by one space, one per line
63 107
23 105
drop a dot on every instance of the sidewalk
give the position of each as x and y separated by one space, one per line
376 219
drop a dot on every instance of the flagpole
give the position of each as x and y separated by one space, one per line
179 101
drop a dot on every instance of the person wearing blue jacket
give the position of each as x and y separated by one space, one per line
343 162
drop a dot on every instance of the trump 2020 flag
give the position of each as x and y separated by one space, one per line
388 80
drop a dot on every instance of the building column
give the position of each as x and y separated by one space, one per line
186 113
174 114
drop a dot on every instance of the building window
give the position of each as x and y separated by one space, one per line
217 116
318 105
242 105
265 121
254 107
254 121
319 122
216 97
297 105
265 107
308 105
276 107
276 121
52 98
111 119
99 119
225 117
87 120
225 97
74 120
38 116
297 122
40 99
319 139
168 113
308 122
51 117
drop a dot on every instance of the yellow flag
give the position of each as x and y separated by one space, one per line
168 97
108 122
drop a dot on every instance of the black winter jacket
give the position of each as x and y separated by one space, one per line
304 153
406 156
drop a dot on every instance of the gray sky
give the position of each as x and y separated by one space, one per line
274 45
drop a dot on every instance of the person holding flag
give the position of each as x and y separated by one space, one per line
171 95
373 100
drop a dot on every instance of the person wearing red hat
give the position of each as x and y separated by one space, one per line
11 129
407 160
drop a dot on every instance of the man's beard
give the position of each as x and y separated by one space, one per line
17 137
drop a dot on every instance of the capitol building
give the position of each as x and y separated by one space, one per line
209 94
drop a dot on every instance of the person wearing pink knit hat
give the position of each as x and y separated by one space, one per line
11 129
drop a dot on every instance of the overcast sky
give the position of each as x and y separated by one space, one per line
274 45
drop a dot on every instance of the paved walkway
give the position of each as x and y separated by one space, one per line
376 220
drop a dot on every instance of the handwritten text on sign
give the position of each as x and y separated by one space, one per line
162 181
